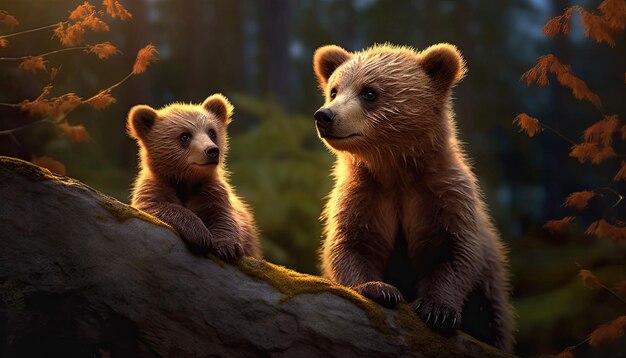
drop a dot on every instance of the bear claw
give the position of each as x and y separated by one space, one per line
384 294
428 310
229 252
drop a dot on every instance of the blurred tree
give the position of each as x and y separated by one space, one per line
274 60
282 170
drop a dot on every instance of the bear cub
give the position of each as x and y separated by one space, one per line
182 179
405 220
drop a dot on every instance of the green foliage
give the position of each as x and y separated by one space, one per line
281 169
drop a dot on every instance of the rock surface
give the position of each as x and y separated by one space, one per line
84 275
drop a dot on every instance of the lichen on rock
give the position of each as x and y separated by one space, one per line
29 170
291 283
123 212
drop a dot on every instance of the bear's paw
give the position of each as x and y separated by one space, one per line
439 317
384 294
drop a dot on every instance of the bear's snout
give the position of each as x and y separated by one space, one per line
324 117
213 153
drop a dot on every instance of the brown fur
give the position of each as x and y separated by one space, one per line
402 177
180 185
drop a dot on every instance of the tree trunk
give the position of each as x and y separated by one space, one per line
84 275
276 66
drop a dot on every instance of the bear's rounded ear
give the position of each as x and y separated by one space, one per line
219 105
444 64
141 118
326 60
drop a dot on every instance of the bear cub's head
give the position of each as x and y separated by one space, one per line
182 141
385 98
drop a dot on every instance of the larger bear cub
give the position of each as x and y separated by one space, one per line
405 220
182 179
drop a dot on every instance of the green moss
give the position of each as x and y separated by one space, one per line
291 284
28 170
419 338
122 212
485 349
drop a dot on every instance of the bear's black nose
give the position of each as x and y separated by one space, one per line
212 152
324 117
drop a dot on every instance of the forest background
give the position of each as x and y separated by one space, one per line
258 53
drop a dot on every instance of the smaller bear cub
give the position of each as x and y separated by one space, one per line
182 179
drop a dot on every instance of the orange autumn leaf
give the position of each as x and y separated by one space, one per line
621 174
579 88
145 57
620 288
69 35
614 13
45 92
589 279
101 100
602 229
579 200
597 28
54 108
103 50
95 24
40 107
549 63
109 6
115 9
584 151
538 73
559 24
3 42
76 134
82 11
600 28
54 71
602 131
623 130
122 12
608 332
604 153
51 164
593 152
528 124
64 104
558 227
33 64
8 20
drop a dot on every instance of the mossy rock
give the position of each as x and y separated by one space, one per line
291 283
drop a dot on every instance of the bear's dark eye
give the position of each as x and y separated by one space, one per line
212 134
185 137
333 93
368 94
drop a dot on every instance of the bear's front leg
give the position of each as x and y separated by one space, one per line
357 262
226 236
189 226
458 238
359 241
439 304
